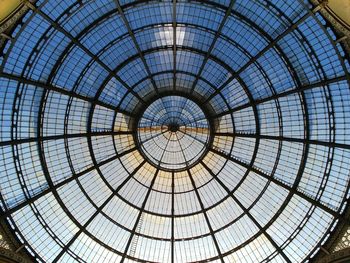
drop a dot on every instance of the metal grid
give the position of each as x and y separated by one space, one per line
173 133
259 89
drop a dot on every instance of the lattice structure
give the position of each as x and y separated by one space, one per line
174 131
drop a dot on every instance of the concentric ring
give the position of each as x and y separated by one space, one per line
184 131
174 133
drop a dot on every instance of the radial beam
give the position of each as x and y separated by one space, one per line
98 211
258 55
81 46
64 136
142 209
32 199
137 46
62 91
216 37
246 211
133 231
202 206
206 216
286 139
174 44
280 183
172 216
283 94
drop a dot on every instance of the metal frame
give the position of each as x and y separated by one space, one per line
212 117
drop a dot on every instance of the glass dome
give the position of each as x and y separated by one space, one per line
174 131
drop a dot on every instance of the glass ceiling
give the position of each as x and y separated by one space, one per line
174 131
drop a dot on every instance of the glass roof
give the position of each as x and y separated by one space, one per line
174 131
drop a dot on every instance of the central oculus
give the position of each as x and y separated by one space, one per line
173 133
173 127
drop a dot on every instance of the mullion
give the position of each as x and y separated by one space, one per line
216 37
142 209
80 45
63 136
164 107
246 211
257 56
83 228
62 183
286 139
193 137
152 120
152 137
50 87
280 183
299 89
132 35
202 206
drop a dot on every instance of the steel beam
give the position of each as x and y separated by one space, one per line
172 216
246 211
286 139
216 37
283 94
174 44
63 136
142 209
98 211
139 216
280 183
206 217
32 199
202 207
132 35
48 87
260 54
94 57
